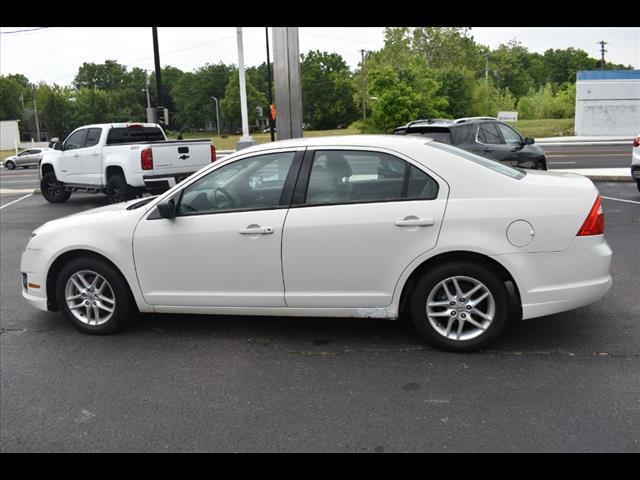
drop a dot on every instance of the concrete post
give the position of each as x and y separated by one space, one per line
286 62
246 140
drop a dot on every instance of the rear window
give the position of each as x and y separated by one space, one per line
439 134
134 134
516 173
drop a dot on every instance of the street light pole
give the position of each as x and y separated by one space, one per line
217 116
35 111
246 140
273 136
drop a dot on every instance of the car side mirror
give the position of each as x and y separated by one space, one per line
529 141
57 146
167 208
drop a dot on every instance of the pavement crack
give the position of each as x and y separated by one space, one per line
560 352
346 351
9 330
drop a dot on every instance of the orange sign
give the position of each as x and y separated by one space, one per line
273 112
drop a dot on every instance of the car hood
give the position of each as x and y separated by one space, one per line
94 215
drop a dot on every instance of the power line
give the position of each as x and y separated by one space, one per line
25 30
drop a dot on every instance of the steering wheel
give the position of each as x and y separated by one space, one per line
225 194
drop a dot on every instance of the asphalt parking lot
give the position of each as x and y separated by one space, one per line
567 382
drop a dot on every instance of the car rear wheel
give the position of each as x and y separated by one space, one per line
118 190
53 190
9 165
459 306
541 165
94 297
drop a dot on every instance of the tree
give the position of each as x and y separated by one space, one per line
509 64
109 75
192 93
10 103
230 104
327 91
456 84
54 109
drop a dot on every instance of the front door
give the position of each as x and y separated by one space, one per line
91 156
355 224
223 248
70 160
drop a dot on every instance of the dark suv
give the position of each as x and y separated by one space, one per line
484 136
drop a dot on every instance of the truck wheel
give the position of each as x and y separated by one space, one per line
9 165
53 190
118 190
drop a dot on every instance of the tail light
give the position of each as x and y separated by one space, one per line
636 142
213 154
146 159
594 224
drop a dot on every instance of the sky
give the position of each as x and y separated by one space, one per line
54 54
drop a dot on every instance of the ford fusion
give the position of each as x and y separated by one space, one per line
354 226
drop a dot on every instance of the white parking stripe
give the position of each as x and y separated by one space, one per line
15 201
621 200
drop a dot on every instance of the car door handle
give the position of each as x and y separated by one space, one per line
415 222
95 154
256 230
487 150
75 155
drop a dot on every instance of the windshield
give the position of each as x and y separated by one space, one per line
512 172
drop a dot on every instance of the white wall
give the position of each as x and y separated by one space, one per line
608 107
9 134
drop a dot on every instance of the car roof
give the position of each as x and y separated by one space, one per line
381 141
441 123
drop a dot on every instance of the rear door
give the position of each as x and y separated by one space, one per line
492 145
92 157
358 218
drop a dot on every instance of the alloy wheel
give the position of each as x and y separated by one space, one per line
89 297
460 308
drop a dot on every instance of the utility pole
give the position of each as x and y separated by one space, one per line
246 140
156 58
35 110
147 89
602 50
217 116
364 105
273 135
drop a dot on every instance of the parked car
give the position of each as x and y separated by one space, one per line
311 227
25 159
122 160
635 161
484 136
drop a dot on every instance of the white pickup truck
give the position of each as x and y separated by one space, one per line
122 160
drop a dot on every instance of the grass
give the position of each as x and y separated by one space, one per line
551 127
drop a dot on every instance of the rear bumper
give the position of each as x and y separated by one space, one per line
161 183
559 281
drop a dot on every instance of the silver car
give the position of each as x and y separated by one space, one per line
25 159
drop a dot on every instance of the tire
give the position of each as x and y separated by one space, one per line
114 294
9 165
541 165
53 190
118 190
471 338
638 184
26 166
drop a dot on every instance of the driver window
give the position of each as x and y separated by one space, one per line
251 183
510 136
76 140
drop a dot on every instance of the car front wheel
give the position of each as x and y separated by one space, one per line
459 306
94 297
9 165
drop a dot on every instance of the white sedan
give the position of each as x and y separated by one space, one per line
354 226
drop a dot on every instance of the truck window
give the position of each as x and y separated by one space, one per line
93 137
134 134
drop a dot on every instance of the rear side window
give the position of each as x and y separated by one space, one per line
134 134
357 177
93 137
488 133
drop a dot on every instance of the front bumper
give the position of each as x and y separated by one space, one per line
559 281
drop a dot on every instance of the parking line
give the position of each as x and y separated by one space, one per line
16 201
621 200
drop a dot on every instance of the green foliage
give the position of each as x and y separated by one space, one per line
327 91
544 104
456 85
10 103
54 108
230 104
